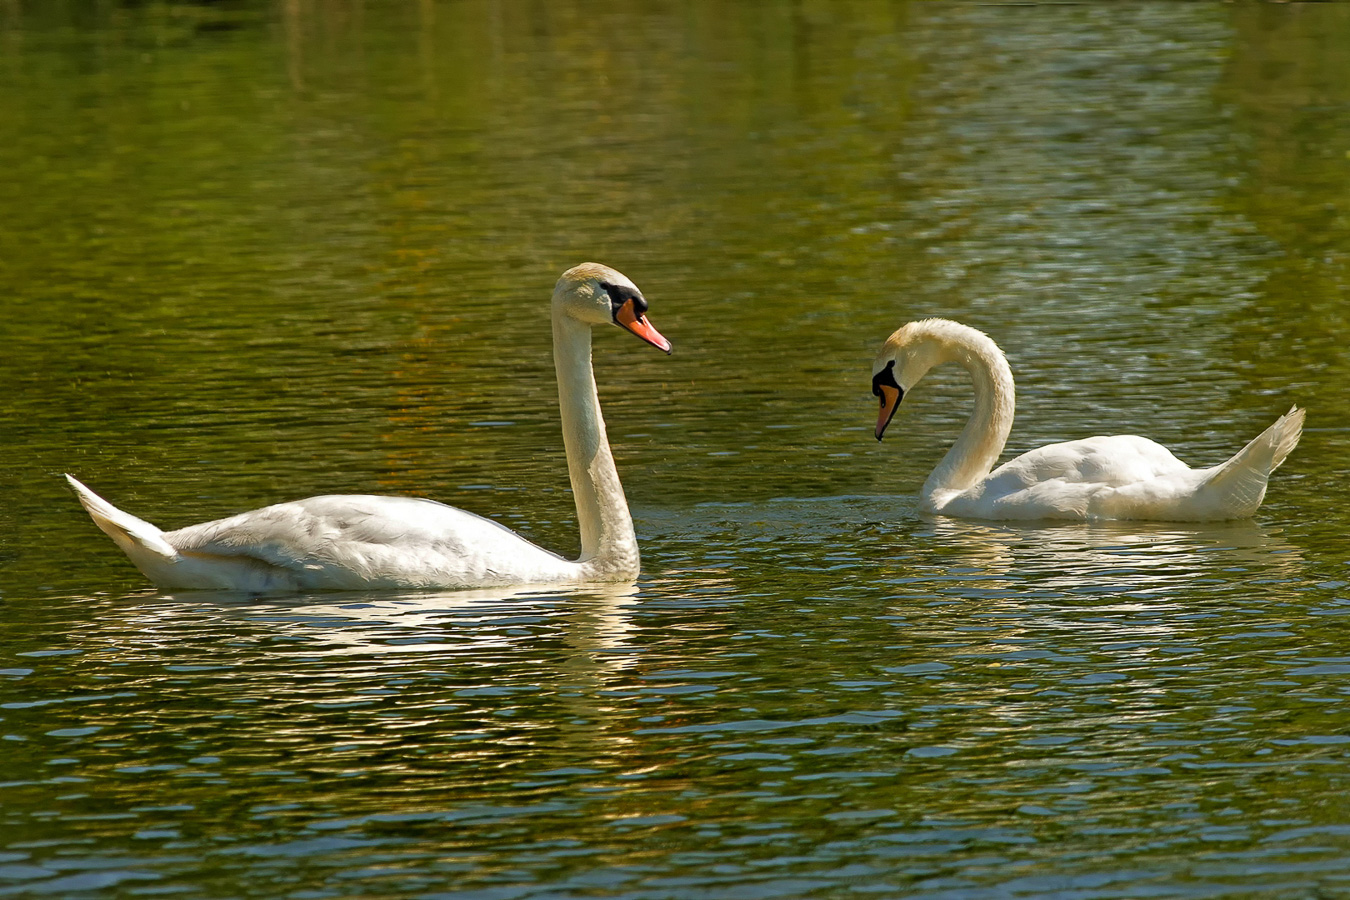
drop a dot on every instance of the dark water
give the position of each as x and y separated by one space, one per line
252 252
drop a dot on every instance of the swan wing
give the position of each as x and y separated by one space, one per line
363 541
1126 477
1064 480
1114 460
1230 490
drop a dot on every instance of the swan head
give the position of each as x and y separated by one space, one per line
598 295
907 356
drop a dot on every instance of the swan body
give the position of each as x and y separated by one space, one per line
363 542
1116 477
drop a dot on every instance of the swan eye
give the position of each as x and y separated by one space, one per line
619 295
885 377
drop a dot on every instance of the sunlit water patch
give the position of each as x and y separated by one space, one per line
1154 704
267 252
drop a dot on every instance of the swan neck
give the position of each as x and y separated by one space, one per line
976 451
608 544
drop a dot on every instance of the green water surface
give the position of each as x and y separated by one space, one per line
255 251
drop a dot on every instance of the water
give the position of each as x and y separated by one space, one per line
252 252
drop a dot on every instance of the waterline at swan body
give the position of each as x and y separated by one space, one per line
1117 477
362 542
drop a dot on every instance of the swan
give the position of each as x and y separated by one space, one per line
1119 477
361 542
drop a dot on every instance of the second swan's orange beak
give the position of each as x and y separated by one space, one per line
628 317
890 402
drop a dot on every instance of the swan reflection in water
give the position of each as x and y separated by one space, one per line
592 617
1114 557
538 664
582 634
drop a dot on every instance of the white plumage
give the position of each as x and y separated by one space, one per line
1116 477
361 542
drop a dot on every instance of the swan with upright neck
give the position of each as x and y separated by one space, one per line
1117 477
362 542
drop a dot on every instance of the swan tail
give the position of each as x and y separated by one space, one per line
135 536
167 566
143 543
1237 487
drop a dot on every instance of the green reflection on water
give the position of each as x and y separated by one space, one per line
253 251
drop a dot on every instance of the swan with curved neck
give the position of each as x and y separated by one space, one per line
1116 477
360 542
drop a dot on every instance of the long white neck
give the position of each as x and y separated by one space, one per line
976 451
608 545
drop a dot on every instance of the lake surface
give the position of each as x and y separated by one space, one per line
251 252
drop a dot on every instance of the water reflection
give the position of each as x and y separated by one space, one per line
1126 558
814 690
594 620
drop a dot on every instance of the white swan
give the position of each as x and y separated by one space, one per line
361 542
1118 477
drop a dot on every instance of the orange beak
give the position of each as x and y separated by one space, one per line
890 402
628 317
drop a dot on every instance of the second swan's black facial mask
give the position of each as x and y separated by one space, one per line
886 378
889 391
